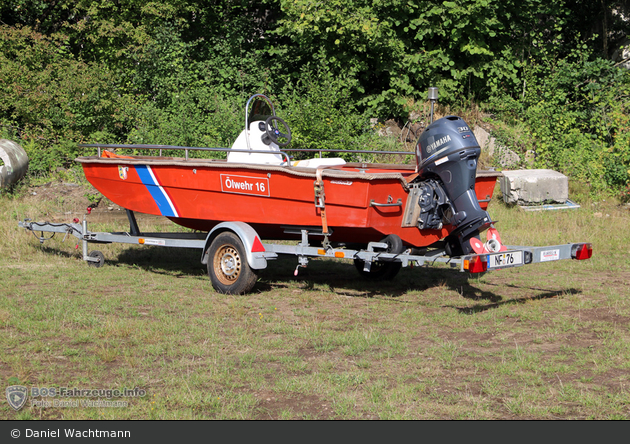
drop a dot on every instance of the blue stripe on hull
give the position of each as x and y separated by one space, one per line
158 194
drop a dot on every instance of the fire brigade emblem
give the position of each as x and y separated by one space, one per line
17 395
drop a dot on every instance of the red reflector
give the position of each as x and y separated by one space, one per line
257 247
478 264
476 245
584 251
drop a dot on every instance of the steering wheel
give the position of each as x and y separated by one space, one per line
274 133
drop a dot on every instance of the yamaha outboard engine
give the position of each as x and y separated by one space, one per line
447 153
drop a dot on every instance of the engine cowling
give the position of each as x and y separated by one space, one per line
447 153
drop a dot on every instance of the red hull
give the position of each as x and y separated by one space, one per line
201 193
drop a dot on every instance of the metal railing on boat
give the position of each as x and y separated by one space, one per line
187 149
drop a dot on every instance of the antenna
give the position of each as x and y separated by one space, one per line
433 97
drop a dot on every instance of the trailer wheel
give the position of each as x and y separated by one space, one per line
228 268
383 270
394 243
98 255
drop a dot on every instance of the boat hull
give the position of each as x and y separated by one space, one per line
362 202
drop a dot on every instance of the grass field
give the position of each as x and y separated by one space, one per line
546 341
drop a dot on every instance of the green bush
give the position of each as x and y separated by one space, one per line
575 112
54 100
198 118
322 115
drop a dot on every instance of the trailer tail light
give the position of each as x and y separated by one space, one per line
476 264
582 251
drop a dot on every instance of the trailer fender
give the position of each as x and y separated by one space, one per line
256 255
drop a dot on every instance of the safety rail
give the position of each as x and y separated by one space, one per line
186 150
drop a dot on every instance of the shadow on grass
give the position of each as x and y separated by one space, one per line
548 294
57 252
337 276
176 262
343 279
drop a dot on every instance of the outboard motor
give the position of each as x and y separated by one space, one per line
446 156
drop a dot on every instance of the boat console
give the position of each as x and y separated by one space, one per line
250 147
261 142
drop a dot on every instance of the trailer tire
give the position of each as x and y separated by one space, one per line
394 244
98 255
228 268
383 270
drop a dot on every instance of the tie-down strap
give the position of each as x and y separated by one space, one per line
320 199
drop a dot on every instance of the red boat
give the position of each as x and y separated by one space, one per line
441 196
383 217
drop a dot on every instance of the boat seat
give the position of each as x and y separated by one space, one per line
319 162
239 153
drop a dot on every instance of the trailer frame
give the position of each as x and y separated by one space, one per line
249 253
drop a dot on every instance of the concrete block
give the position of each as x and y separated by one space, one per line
534 187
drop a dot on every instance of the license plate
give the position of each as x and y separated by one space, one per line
507 259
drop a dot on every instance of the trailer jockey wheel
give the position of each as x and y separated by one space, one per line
227 265
274 134
383 270
98 255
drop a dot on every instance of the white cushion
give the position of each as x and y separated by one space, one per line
317 162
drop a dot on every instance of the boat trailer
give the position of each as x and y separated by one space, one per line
233 251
